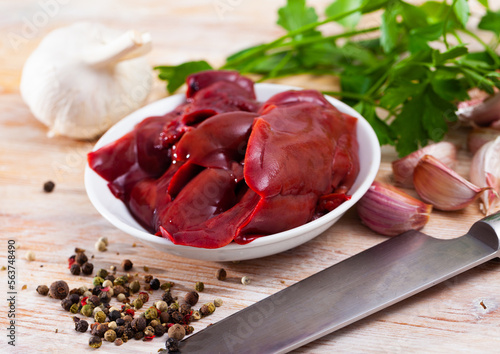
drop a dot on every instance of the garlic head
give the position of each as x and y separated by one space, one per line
83 78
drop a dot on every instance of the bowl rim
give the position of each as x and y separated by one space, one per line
135 117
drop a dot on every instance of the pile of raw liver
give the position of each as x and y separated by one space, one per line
222 167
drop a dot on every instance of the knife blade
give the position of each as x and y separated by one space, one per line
348 291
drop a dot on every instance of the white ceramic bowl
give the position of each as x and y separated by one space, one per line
117 214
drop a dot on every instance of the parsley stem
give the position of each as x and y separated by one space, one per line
445 23
262 49
280 65
488 49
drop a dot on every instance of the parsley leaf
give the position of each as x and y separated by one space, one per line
176 75
341 6
295 14
491 22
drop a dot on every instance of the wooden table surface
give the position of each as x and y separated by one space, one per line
461 314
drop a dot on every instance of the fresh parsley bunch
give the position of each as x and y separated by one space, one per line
411 71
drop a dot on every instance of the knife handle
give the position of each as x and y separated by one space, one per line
487 230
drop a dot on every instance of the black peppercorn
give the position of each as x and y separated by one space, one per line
155 284
176 317
191 298
87 268
164 317
81 258
159 330
184 309
120 322
75 269
74 298
148 278
42 290
93 329
127 265
48 186
138 335
172 345
59 289
221 274
81 326
167 297
110 277
139 324
95 300
119 289
101 329
114 315
120 330
66 304
97 290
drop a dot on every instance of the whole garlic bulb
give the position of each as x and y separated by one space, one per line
85 77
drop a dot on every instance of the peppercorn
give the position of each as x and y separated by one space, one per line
119 330
112 325
218 302
148 278
159 330
134 287
211 307
74 308
177 332
103 273
119 289
59 289
97 281
176 317
138 335
81 258
127 264
188 329
94 299
48 186
100 316
139 324
81 326
172 345
192 298
204 310
114 315
245 280
151 313
75 269
66 304
166 286
137 303
161 306
164 317
75 298
199 286
155 284
184 309
111 278
167 297
42 290
105 297
174 306
120 280
101 329
221 274
87 268
149 331
118 341
144 297
196 315
100 245
95 342
110 335
107 283
87 310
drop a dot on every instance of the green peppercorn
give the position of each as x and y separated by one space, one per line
174 306
134 287
95 342
176 332
137 303
98 281
103 273
199 286
167 285
74 308
87 310
110 335
211 307
151 313
121 280
42 290
100 317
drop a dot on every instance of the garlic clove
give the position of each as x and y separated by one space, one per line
439 185
480 136
389 211
482 109
485 172
403 168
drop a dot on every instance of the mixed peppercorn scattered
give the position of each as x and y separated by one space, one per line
121 323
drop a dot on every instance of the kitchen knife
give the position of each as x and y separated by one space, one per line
348 291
